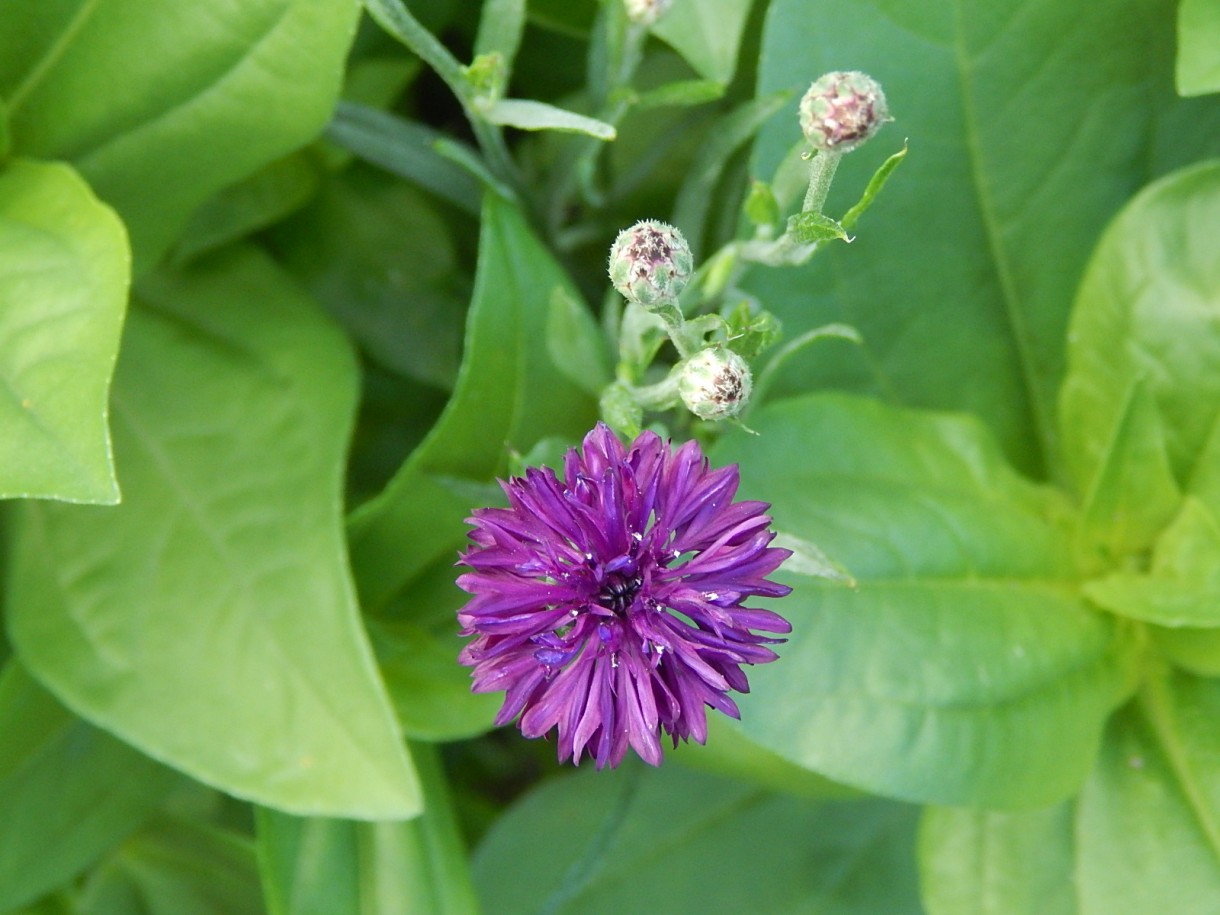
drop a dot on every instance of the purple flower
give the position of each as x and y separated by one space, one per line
608 604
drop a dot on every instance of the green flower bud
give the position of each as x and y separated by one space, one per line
646 12
715 383
650 263
841 110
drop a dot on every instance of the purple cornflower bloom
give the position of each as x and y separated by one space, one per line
608 604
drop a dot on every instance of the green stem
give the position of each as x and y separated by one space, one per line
821 173
660 396
675 326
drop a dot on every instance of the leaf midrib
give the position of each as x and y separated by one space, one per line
1041 412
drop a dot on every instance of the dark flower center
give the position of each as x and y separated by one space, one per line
619 591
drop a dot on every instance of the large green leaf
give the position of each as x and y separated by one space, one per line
508 394
986 862
1143 836
210 619
173 867
64 270
965 668
322 867
675 841
1148 824
162 103
67 790
1149 310
1030 123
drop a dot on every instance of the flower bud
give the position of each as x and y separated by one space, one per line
841 110
646 12
715 383
650 263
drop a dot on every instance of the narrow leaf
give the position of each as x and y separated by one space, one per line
404 148
525 114
875 184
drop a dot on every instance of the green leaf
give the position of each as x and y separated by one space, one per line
322 866
983 862
161 105
210 620
501 25
1133 494
961 287
254 203
1182 588
64 271
1196 651
965 669
725 138
380 258
67 790
575 343
1198 66
1148 825
530 115
599 842
174 867
429 689
508 394
1149 307
707 33
761 207
875 184
682 94
406 149
810 228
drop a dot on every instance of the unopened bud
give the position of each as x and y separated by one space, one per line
715 384
841 110
650 263
646 12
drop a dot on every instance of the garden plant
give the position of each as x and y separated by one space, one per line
579 456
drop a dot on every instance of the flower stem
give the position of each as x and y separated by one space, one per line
821 173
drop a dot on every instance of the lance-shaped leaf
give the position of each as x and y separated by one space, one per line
64 269
964 668
508 393
162 104
210 620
